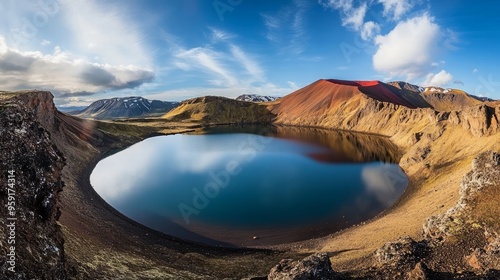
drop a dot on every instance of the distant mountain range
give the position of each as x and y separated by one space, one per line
256 98
71 109
321 97
127 107
328 102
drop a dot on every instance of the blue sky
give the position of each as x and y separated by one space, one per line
177 49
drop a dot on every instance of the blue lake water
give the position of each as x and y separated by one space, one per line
227 187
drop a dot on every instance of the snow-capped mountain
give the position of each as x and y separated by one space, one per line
126 107
437 90
256 98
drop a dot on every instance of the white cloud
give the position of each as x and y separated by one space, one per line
337 4
394 9
355 17
439 80
352 16
45 43
63 74
409 48
369 30
3 45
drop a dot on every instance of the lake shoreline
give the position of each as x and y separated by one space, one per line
344 185
339 244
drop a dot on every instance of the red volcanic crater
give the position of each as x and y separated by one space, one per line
325 96
376 90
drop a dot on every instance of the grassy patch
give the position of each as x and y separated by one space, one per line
125 130
486 208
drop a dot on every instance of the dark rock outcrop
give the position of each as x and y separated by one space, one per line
419 272
316 266
402 252
37 165
485 173
488 257
442 231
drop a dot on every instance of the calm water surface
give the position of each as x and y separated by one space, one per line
231 184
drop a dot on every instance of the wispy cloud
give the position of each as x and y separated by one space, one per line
271 22
299 35
209 61
227 64
250 65
220 35
395 9
353 16
287 27
369 30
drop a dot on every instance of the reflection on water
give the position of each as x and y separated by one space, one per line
225 186
350 146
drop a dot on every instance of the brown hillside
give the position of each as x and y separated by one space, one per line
449 100
213 109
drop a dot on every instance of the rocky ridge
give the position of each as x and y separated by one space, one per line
365 114
316 266
37 164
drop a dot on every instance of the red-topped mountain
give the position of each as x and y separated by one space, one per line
375 106
325 98
325 95
385 92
